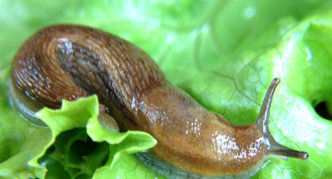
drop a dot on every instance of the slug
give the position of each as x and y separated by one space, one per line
67 62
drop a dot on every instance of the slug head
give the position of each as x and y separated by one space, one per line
246 147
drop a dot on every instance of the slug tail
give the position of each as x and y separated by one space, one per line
25 106
263 122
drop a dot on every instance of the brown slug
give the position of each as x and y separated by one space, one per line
68 62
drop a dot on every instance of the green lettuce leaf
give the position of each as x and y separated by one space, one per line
226 53
82 159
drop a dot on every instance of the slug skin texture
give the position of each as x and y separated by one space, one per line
69 62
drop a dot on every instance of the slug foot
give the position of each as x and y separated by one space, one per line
25 106
159 166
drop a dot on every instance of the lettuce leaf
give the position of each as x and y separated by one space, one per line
226 53
82 159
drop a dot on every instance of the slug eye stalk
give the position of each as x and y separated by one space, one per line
263 122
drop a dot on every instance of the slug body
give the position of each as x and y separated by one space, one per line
69 62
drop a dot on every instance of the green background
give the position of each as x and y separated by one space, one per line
223 53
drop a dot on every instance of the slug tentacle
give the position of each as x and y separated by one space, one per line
67 62
263 122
